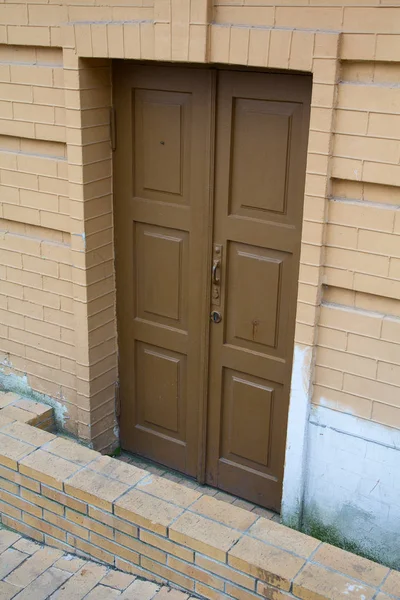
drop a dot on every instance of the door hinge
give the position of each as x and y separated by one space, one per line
113 129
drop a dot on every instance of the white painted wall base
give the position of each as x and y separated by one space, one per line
342 474
297 433
353 482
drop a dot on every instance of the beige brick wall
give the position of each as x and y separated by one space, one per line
32 92
55 182
57 292
37 326
88 99
359 330
34 184
358 362
37 330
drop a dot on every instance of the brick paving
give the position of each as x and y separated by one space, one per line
31 571
176 477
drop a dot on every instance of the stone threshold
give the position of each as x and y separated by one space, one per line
58 492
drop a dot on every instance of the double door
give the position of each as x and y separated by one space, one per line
209 177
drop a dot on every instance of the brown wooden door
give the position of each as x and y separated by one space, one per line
162 189
174 364
261 141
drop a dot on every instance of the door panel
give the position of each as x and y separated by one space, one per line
162 184
162 275
161 391
261 142
163 145
261 134
246 419
247 265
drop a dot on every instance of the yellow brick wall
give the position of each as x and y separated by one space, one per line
358 363
358 358
38 22
36 335
37 325
32 92
55 182
349 16
54 324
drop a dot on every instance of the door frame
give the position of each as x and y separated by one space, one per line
93 412
324 87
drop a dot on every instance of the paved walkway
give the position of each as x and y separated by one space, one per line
30 571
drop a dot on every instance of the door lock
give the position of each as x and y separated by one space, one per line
216 316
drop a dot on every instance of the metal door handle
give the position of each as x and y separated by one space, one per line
215 276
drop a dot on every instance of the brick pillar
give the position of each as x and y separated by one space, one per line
325 68
88 100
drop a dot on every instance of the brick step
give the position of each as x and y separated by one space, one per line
59 492
17 408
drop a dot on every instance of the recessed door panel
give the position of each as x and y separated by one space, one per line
162 145
246 420
252 320
161 257
260 156
161 390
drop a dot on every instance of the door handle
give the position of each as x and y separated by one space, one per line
215 272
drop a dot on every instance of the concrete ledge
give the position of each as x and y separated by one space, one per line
68 496
15 407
